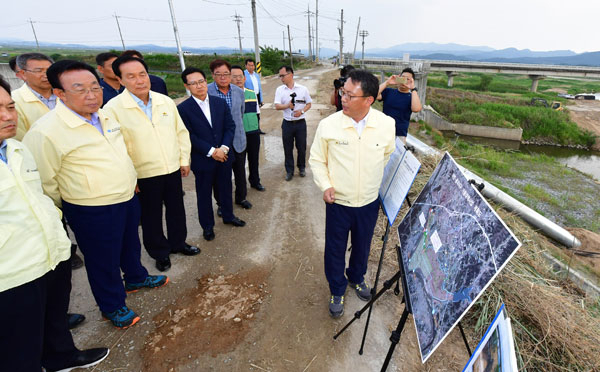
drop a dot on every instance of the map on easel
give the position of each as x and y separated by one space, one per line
398 176
453 246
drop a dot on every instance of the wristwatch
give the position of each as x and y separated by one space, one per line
414 90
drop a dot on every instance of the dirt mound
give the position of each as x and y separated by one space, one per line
221 305
586 115
590 248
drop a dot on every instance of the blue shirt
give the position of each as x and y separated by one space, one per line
146 108
3 152
226 97
49 102
109 92
95 122
397 105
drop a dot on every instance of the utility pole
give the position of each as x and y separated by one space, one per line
363 34
317 32
256 46
356 40
238 19
290 44
341 31
119 27
176 31
34 35
309 39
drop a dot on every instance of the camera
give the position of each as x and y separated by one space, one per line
338 83
293 95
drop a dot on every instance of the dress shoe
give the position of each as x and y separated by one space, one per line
209 234
75 319
219 213
261 132
235 222
83 359
163 264
188 250
76 261
259 187
302 173
245 204
289 176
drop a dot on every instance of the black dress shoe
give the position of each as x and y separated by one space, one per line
261 132
245 204
75 320
188 250
164 264
209 234
259 187
235 222
76 262
83 359
219 213
289 176
302 173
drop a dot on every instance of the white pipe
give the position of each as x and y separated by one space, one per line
508 202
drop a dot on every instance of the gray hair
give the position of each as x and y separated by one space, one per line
24 58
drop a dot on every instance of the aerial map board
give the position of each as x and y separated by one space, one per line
398 177
453 245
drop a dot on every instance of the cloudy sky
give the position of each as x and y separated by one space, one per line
534 24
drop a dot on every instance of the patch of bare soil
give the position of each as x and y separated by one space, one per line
212 318
587 116
556 90
590 248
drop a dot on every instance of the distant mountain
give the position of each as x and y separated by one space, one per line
519 53
583 59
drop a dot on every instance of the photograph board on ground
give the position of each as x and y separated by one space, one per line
496 350
453 246
398 177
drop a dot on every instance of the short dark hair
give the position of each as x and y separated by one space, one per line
218 63
369 84
237 66
116 65
346 70
189 71
133 53
24 58
287 68
249 60
4 84
58 68
12 63
103 57
409 70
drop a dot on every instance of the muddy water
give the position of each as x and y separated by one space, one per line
584 161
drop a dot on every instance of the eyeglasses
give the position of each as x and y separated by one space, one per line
284 75
83 91
343 94
197 82
219 75
237 76
37 71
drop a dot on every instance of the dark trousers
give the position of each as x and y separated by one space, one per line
239 174
205 179
253 149
108 238
294 131
154 191
339 220
35 330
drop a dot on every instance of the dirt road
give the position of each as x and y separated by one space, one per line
585 114
255 299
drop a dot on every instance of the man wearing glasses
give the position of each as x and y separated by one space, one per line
234 96
347 158
35 97
211 127
294 100
84 168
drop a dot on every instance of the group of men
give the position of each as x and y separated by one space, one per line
102 171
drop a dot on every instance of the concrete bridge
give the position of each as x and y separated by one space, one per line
535 72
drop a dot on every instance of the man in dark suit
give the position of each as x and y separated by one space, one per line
211 130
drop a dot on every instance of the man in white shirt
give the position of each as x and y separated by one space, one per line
294 100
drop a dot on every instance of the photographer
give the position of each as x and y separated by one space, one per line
336 99
294 100
402 102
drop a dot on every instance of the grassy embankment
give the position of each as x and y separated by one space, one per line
505 104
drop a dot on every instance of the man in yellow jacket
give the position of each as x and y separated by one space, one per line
35 272
84 167
35 97
159 145
348 155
